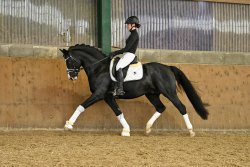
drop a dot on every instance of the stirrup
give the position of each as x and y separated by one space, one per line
114 92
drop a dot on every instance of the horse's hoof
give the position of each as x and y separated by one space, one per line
125 132
192 133
68 126
148 128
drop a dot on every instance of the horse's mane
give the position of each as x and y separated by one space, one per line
88 49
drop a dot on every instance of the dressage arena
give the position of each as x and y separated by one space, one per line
39 99
59 148
209 40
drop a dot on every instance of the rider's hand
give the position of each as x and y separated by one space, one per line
111 55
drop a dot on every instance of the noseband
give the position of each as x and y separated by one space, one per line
75 64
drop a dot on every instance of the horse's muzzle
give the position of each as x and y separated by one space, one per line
72 78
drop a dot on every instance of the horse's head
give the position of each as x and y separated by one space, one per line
72 63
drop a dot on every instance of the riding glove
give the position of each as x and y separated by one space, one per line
112 55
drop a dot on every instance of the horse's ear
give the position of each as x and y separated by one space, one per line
64 51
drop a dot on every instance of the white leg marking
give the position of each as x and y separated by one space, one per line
126 128
189 125
151 121
69 124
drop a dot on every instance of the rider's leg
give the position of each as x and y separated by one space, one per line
123 62
120 79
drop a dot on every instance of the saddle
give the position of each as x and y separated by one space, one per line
132 72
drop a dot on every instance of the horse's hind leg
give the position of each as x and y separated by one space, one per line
159 106
178 104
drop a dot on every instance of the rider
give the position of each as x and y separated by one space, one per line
129 50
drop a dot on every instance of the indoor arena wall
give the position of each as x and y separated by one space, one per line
35 91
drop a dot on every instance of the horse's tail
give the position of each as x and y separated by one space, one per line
191 92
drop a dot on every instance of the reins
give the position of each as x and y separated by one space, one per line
97 62
79 63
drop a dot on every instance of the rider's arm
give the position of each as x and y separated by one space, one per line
117 52
129 44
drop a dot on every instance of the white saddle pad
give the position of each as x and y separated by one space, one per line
135 72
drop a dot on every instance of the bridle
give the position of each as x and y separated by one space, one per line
76 64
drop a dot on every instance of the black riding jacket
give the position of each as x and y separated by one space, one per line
131 44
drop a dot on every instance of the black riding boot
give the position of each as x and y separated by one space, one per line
119 75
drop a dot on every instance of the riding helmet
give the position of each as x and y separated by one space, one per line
133 20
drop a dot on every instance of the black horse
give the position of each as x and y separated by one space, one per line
157 79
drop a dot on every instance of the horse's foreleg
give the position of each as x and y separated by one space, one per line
159 106
80 109
110 100
69 124
126 128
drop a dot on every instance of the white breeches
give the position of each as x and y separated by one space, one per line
125 60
